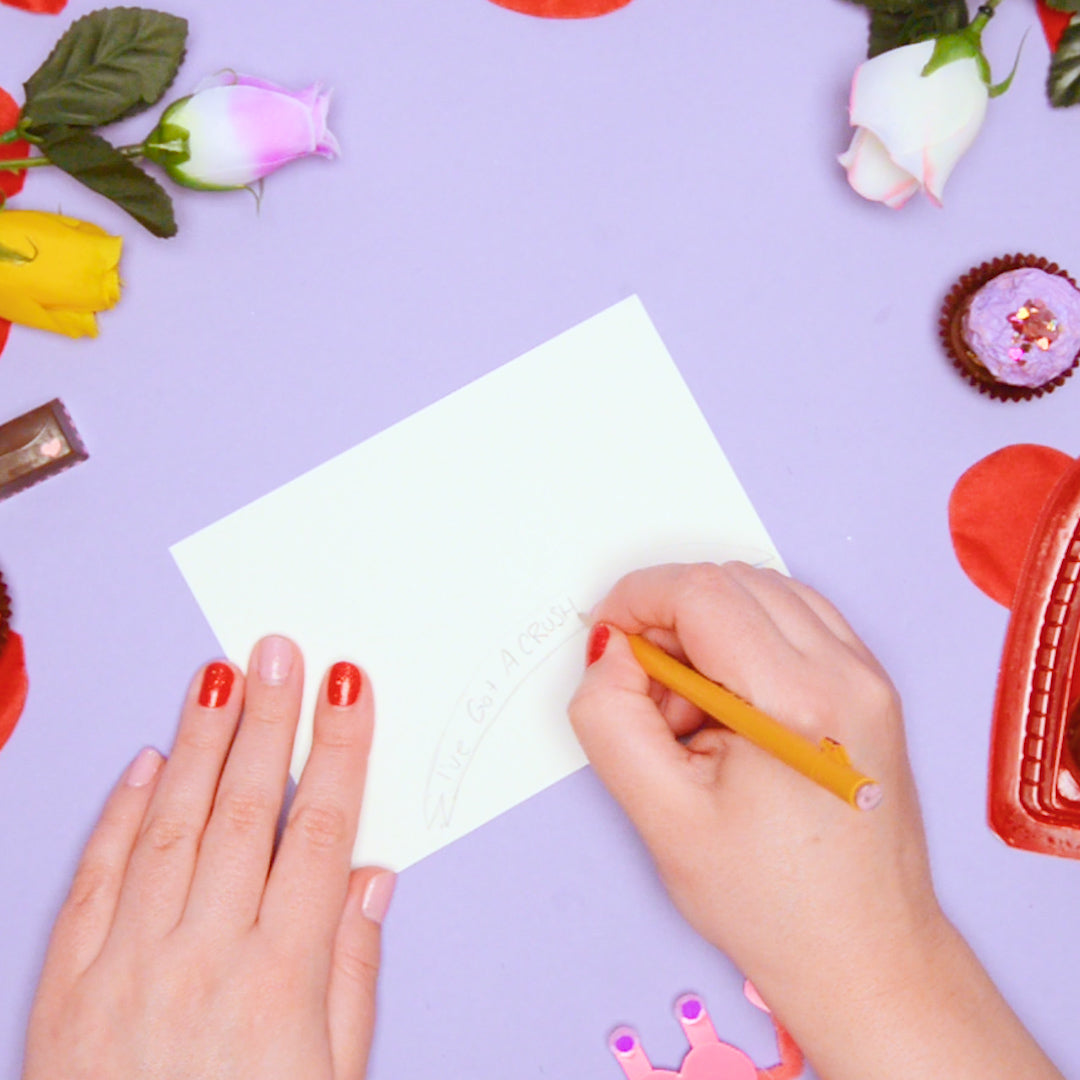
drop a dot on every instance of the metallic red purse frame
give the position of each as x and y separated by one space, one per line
1039 689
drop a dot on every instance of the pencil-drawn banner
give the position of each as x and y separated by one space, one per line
485 697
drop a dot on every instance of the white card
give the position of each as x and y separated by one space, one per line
449 556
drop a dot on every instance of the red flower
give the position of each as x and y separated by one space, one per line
41 7
1054 23
11 182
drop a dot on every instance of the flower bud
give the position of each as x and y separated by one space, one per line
236 129
911 128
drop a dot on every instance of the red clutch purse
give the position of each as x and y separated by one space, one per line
1034 780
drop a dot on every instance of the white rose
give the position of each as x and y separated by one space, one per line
911 129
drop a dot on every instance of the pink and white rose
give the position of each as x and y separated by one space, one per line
911 129
235 129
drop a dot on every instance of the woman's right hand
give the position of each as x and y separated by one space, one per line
760 860
828 910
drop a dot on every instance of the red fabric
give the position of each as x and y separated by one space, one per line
5 326
1054 23
41 7
13 685
11 182
563 9
993 511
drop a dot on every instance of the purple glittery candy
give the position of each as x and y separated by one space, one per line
1024 326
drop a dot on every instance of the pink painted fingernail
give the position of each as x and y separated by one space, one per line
377 894
144 768
274 660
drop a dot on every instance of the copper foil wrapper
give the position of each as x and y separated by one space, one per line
950 326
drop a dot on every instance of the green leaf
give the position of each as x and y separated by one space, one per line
1063 82
914 21
102 168
109 64
1064 5
1002 87
893 7
168 144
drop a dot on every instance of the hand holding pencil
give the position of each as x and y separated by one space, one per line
789 881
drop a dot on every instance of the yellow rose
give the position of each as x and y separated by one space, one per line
56 271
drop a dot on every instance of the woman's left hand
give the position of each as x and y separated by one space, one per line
188 946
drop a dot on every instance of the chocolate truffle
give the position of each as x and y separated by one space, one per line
1012 326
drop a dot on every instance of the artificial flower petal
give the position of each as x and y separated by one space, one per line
11 181
873 174
939 159
62 273
39 7
1054 23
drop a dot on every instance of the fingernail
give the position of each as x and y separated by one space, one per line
216 686
343 684
144 768
599 636
275 660
377 894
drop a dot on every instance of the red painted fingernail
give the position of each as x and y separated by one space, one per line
343 684
216 686
599 636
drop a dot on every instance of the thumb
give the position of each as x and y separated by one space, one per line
623 733
355 969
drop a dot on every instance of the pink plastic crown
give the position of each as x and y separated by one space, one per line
709 1058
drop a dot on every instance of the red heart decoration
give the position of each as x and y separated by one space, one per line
13 685
563 9
39 7
993 510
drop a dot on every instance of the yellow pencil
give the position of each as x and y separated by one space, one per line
827 764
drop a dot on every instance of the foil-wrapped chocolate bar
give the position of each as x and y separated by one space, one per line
37 445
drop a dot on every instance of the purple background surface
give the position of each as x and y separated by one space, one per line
502 179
